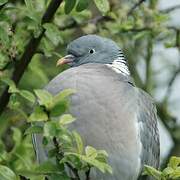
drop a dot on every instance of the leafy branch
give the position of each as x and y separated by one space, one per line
68 144
30 50
50 121
171 172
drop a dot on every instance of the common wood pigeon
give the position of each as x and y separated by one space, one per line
112 114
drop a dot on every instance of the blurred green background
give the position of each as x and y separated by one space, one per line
148 31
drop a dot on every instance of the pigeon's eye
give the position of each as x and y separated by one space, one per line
91 51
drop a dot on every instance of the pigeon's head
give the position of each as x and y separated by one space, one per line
91 49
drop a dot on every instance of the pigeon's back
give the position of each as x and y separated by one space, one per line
111 115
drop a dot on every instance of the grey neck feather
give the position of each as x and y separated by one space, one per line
119 65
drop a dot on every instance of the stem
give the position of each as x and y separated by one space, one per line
74 170
23 178
168 10
59 157
30 50
148 83
88 174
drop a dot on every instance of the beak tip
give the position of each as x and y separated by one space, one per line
60 62
65 60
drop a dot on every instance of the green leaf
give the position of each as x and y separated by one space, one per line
72 159
31 174
3 153
50 129
169 44
60 103
33 15
79 142
47 167
53 33
82 4
4 60
52 152
3 2
140 35
62 95
102 5
45 98
148 170
91 152
34 129
27 95
17 136
38 115
102 152
14 103
47 47
175 174
11 84
66 139
29 4
4 38
69 5
7 174
59 109
66 119
103 167
174 162
45 141
102 156
59 176
167 171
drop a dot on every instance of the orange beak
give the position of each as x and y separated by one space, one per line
68 59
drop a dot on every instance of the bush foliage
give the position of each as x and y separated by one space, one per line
33 35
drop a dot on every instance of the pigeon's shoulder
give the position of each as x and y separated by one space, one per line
85 73
95 69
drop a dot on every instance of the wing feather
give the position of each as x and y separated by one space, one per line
149 135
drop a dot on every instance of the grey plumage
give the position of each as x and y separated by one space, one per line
112 114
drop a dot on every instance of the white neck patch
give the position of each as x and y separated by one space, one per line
119 65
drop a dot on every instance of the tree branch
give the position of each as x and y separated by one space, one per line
30 50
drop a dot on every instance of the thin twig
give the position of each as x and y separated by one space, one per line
169 89
168 10
176 72
148 65
135 6
30 50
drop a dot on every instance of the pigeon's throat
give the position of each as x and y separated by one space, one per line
119 65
